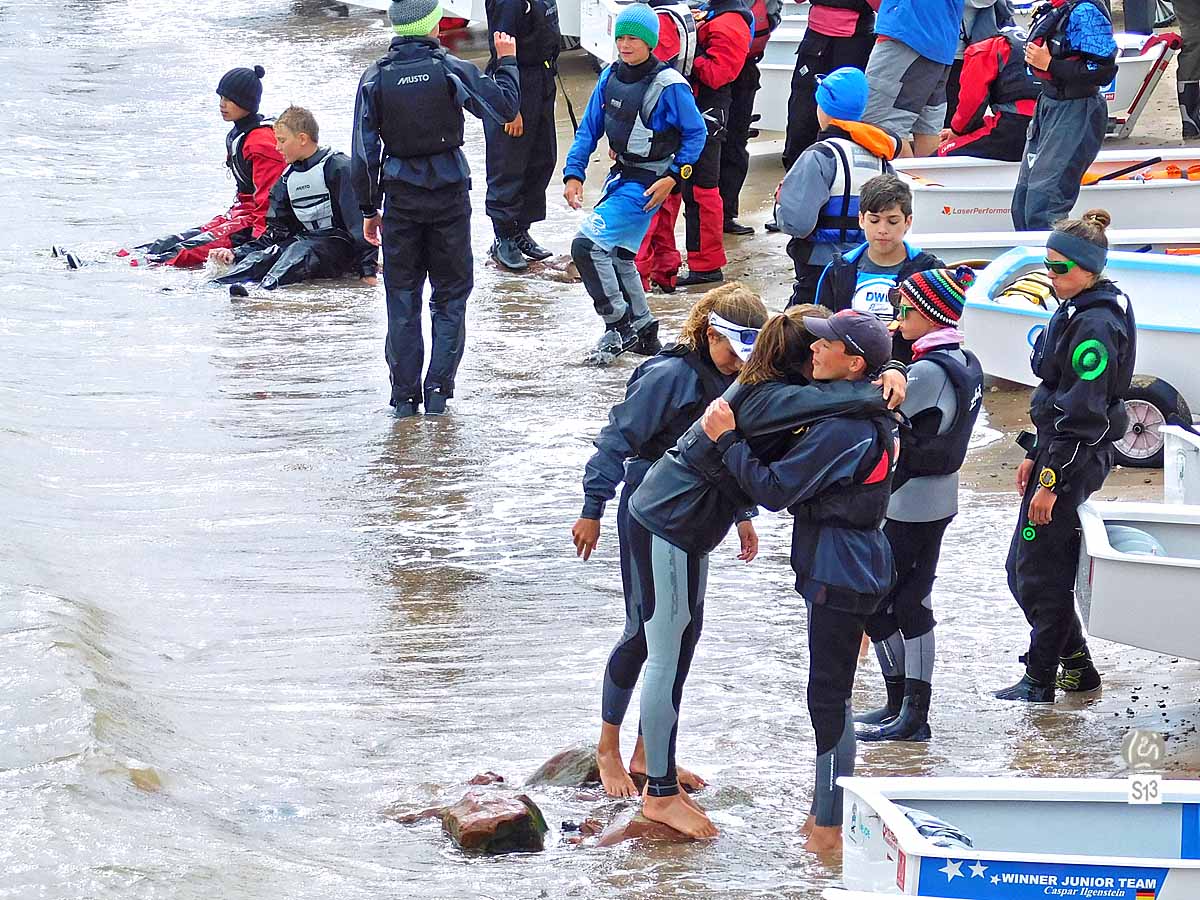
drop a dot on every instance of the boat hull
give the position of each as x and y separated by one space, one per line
954 247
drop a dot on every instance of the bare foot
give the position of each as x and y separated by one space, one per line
613 776
688 780
684 817
824 839
807 828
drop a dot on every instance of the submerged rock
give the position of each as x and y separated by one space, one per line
410 818
495 823
569 768
632 825
488 777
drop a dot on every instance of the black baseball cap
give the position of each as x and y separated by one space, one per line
863 334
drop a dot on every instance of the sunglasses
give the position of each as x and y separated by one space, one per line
746 335
1059 266
902 309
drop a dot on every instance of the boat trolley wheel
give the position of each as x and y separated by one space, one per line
1150 403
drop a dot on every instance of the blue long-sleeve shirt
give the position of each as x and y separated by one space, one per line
676 108
496 96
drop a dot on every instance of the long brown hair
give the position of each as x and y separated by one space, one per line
733 302
783 347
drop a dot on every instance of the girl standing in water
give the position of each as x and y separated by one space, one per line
665 395
1084 359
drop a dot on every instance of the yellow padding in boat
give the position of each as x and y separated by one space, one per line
1034 287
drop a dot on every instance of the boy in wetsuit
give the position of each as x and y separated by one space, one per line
254 160
314 227
655 133
863 278
835 479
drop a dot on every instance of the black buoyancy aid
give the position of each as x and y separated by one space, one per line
628 107
1050 25
309 195
541 39
837 222
418 112
760 29
1014 80
925 452
235 141
862 505
712 386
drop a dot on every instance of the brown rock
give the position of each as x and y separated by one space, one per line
486 778
632 825
495 823
411 818
571 767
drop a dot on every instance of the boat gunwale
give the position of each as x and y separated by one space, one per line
1100 790
1095 535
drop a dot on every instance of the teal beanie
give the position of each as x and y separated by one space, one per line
640 21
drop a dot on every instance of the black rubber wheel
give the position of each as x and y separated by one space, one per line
1164 13
1150 403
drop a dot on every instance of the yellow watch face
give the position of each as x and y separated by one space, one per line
685 172
1047 479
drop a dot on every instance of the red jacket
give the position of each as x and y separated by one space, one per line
722 44
982 63
267 165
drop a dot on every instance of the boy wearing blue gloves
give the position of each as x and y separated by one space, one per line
655 135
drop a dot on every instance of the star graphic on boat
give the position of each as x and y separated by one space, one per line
952 870
977 870
995 879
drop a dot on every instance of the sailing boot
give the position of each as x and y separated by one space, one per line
895 700
507 254
1189 109
912 724
531 248
696 278
1029 689
648 343
1077 674
617 338
435 401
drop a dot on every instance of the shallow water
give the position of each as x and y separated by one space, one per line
242 610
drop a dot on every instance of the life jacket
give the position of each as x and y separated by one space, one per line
308 193
712 385
859 6
760 30
627 111
862 505
235 141
837 222
541 39
924 452
1014 81
679 16
418 112
1050 25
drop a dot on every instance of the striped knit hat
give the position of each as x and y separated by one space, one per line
939 293
414 18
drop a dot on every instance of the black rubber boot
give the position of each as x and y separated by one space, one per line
531 248
1189 109
1077 674
1028 690
507 254
895 700
435 401
648 343
696 278
913 722
733 226
404 409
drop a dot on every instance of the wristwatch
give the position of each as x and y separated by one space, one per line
1048 478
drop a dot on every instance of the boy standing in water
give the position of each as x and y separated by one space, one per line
408 131
655 133
314 227
256 164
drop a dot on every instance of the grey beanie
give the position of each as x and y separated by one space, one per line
414 18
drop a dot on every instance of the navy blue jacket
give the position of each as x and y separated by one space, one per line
664 395
835 290
1085 359
829 562
373 171
691 499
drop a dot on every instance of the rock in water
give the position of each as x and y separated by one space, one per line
632 825
488 777
495 823
569 768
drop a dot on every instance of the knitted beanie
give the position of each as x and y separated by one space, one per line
938 294
842 94
640 21
414 18
243 87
